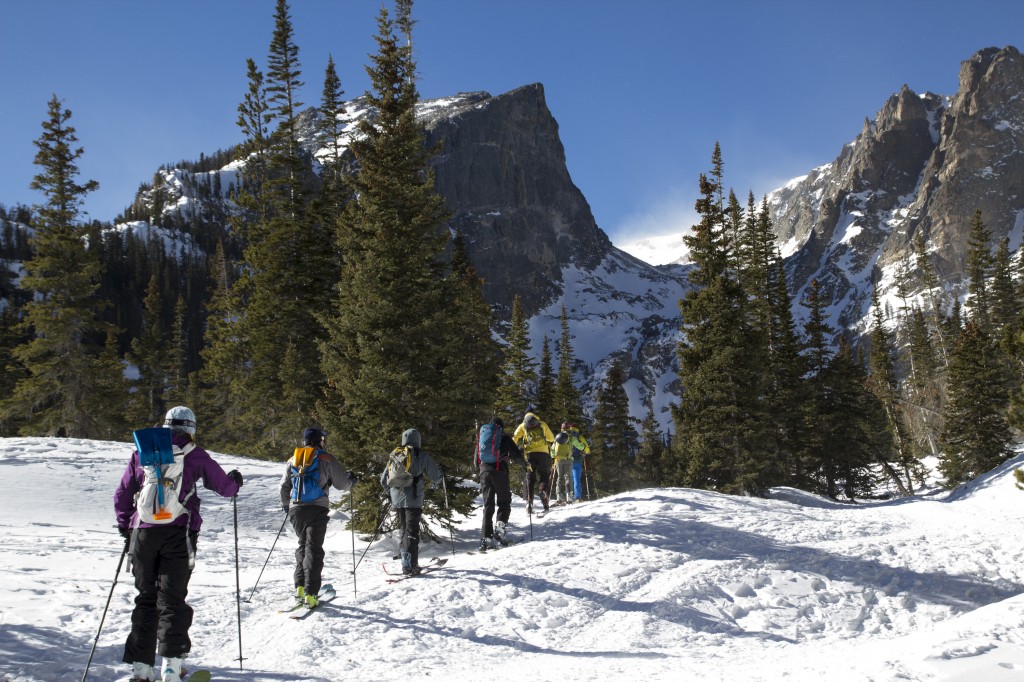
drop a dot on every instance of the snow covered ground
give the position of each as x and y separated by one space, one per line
669 584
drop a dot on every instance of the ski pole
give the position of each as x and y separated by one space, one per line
352 527
238 585
451 533
551 480
120 561
268 558
385 508
586 479
529 502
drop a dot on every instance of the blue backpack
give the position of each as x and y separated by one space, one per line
489 445
305 473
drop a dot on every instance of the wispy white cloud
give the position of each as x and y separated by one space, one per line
654 232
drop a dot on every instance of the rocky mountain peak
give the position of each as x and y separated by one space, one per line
502 171
925 163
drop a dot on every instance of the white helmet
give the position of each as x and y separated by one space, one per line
182 419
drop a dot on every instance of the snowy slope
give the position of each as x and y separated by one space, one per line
655 584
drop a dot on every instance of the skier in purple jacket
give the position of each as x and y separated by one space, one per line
163 555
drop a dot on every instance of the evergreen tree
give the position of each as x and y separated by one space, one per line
979 267
148 353
333 194
176 365
567 396
11 336
613 438
386 352
517 376
924 387
975 435
215 385
545 381
719 421
290 271
110 394
648 461
776 347
220 385
1005 305
815 456
57 396
853 423
900 461
332 106
471 378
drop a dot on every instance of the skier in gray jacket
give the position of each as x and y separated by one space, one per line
307 505
407 500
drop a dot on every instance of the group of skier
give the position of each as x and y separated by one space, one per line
157 513
551 461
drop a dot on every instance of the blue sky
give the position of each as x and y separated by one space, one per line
641 89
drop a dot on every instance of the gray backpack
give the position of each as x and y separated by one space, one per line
399 463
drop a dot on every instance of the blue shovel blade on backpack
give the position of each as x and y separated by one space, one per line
154 446
155 449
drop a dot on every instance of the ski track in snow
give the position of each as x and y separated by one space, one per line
658 584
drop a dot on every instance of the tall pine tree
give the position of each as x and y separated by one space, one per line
387 353
719 420
545 403
975 435
63 358
566 406
613 439
517 376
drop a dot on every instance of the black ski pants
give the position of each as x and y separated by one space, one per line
409 525
495 489
540 462
310 524
160 564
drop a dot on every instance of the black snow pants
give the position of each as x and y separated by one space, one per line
160 564
310 524
494 488
540 477
409 524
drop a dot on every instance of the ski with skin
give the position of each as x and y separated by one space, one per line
434 564
436 561
196 676
299 610
509 541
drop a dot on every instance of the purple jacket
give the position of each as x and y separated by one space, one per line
198 466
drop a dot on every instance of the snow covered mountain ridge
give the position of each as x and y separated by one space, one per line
923 166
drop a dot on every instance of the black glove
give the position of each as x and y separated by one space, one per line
352 478
236 476
125 533
443 469
285 506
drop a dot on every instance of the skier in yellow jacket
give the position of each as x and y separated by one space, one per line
535 438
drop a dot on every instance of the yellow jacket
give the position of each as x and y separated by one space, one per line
536 439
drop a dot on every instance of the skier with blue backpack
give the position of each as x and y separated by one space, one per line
157 510
495 451
310 473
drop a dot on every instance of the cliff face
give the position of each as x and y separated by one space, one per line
502 171
925 164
